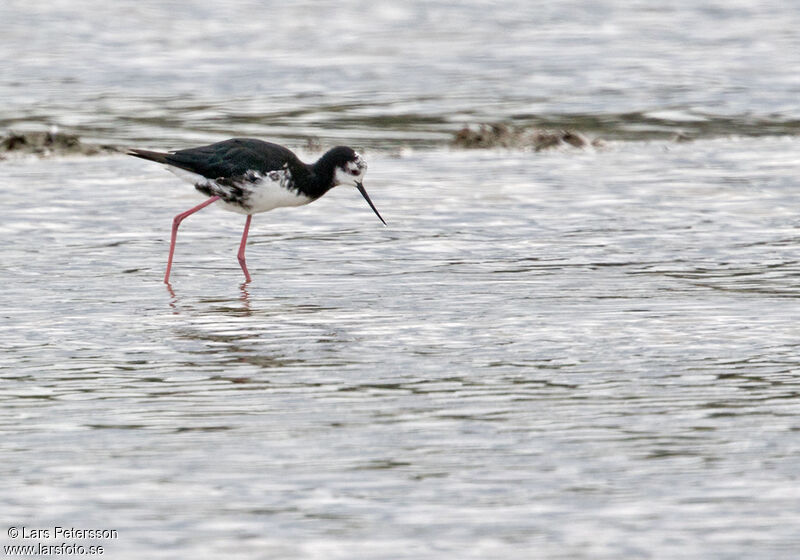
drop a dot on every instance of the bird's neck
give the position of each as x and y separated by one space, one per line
320 179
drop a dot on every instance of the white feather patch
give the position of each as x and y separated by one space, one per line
261 195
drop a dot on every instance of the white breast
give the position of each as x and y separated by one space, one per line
273 191
259 193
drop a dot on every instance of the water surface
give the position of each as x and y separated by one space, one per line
587 355
386 74
566 354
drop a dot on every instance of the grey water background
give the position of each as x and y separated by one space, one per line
567 354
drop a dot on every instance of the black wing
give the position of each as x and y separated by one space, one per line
232 158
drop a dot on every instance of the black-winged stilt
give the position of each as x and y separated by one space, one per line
250 176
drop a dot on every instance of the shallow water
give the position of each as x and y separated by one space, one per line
569 354
586 355
169 72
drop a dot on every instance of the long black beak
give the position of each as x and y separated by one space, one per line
360 187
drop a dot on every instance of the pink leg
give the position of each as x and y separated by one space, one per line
242 262
176 221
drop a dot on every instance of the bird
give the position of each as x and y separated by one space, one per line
249 176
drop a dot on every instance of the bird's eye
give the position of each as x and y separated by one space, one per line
353 171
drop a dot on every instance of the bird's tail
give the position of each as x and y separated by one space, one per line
158 157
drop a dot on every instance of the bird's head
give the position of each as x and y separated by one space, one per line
349 168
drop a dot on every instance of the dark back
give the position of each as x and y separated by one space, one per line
235 157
